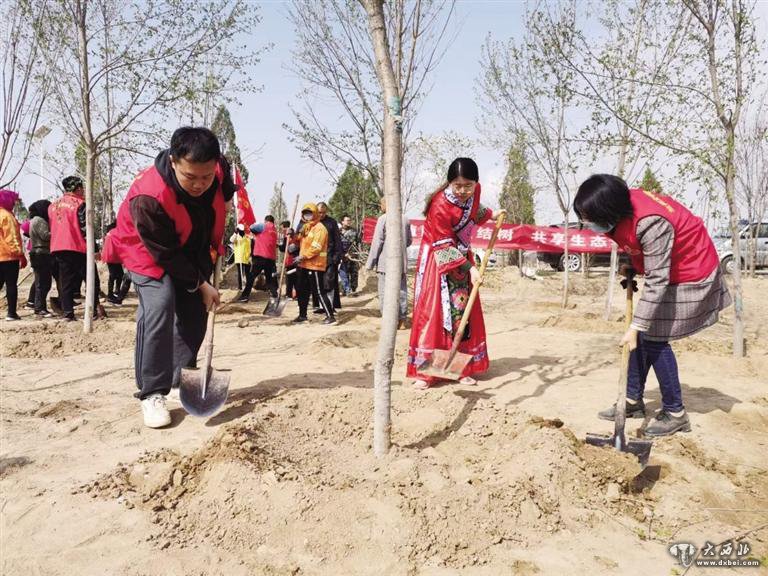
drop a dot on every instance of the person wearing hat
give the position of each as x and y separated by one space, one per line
170 231
12 257
311 263
241 247
66 218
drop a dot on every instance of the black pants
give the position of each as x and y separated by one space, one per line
311 281
290 281
259 265
42 264
170 328
9 276
119 282
72 267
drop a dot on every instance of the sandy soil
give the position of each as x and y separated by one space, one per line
485 480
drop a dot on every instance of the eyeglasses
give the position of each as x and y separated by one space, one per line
463 187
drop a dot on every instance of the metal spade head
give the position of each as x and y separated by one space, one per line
275 307
202 397
640 448
440 365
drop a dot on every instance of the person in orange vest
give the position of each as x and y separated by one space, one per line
12 257
66 218
683 291
264 257
311 264
170 230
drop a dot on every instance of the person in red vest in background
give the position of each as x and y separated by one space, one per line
119 283
683 291
66 217
170 230
264 257
290 246
12 257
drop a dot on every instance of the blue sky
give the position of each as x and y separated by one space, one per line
450 105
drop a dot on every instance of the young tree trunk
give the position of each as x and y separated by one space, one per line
730 195
614 247
565 263
391 172
90 162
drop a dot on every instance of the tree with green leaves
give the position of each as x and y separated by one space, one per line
224 129
517 193
650 182
355 195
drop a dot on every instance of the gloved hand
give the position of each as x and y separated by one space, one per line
634 284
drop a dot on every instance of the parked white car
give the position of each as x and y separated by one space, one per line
725 247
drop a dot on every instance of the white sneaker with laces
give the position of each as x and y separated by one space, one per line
156 414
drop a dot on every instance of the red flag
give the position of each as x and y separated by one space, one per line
244 210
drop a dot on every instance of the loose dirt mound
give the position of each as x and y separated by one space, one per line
583 322
347 339
46 339
297 484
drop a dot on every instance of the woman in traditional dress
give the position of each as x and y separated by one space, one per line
445 275
683 291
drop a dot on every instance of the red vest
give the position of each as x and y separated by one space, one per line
693 253
131 250
265 242
65 228
109 254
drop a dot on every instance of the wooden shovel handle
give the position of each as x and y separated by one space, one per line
620 416
475 288
285 254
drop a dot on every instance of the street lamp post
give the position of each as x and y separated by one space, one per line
41 133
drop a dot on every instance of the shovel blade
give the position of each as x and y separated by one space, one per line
636 446
438 367
191 391
275 307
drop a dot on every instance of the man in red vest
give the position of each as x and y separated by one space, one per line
264 257
169 231
67 222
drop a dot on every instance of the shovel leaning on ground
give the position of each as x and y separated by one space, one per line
203 390
638 447
275 306
449 364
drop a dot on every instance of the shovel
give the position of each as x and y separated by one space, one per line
275 306
636 446
449 364
203 390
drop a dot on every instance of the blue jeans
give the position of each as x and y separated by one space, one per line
344 279
659 355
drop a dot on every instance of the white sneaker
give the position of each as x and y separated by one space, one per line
156 415
173 396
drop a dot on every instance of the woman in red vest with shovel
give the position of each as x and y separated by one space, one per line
683 291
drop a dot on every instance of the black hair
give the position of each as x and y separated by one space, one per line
323 204
285 224
72 183
269 218
346 216
603 199
464 167
111 226
39 208
195 144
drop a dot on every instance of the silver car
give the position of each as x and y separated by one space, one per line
725 247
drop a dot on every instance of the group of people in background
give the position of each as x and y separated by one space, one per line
56 242
319 258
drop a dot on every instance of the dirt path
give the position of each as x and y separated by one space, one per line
490 479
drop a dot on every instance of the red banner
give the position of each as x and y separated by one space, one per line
517 237
244 209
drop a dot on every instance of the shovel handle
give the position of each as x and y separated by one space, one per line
208 342
621 401
475 289
285 255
